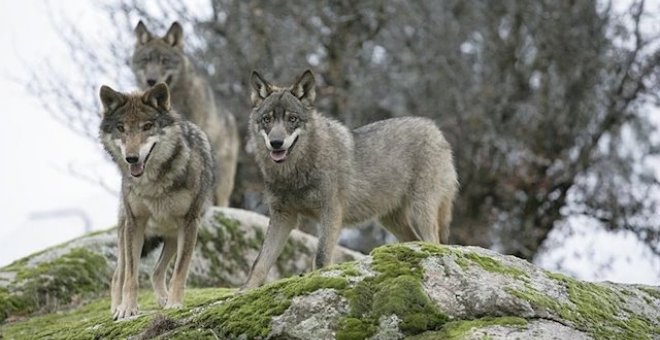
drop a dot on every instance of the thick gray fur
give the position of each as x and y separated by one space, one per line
399 171
162 59
166 190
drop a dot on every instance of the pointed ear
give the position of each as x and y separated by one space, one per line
110 99
260 89
305 88
142 34
174 35
158 97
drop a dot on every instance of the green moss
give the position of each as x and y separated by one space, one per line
461 329
396 289
94 321
466 259
79 273
594 308
251 313
347 269
491 265
354 328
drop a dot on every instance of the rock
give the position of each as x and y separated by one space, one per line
411 290
227 245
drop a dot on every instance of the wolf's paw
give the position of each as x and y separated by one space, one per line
174 305
124 311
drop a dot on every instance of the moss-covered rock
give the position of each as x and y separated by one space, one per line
65 275
416 291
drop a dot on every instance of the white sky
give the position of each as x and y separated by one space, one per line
37 151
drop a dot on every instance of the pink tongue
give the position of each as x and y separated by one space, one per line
136 169
278 155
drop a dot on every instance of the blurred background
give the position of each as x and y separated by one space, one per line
552 109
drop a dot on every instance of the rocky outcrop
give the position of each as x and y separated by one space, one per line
416 291
228 243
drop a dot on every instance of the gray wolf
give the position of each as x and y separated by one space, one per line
167 185
398 170
162 59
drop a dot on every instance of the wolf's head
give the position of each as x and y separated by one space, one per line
134 124
158 59
281 115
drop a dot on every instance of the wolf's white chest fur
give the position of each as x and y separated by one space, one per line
164 213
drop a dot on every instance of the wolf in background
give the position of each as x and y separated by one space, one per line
162 59
168 174
398 170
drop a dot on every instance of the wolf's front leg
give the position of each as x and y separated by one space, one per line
160 271
133 241
118 276
186 239
330 228
279 228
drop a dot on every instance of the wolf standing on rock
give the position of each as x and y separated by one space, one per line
163 60
167 184
397 170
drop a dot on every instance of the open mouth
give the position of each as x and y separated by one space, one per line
137 169
280 155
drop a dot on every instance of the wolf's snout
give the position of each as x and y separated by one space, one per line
132 159
151 82
276 143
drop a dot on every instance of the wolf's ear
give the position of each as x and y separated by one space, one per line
110 99
305 88
142 34
260 89
158 97
174 35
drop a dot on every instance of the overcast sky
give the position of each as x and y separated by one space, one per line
43 204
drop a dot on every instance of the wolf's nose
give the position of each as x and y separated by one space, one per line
151 82
276 144
132 159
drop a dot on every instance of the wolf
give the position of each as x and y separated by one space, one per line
167 183
399 170
162 59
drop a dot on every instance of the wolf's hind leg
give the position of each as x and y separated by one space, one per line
160 271
397 222
424 220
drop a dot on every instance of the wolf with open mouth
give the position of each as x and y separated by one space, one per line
168 176
399 171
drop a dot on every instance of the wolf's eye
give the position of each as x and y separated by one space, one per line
293 119
266 119
120 128
147 126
